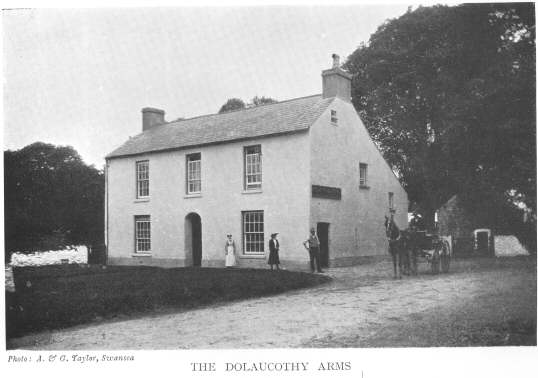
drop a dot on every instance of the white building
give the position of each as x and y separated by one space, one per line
174 191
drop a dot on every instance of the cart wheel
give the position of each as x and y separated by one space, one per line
435 261
445 260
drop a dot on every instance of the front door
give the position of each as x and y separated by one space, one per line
323 236
193 236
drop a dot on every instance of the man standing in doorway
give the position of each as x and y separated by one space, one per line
313 250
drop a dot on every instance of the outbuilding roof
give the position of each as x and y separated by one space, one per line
279 118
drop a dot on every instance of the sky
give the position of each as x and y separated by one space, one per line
80 77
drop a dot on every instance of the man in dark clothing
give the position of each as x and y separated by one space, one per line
313 250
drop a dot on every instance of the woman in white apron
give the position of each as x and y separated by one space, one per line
229 250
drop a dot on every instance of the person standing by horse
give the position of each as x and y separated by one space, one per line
414 232
395 243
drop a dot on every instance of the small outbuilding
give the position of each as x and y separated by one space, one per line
470 232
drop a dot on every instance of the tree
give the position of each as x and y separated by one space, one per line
238 104
448 94
257 101
52 199
232 104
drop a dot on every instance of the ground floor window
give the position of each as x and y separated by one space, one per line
253 241
142 233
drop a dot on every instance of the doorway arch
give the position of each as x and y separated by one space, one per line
193 240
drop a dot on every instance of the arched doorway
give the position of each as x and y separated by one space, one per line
193 240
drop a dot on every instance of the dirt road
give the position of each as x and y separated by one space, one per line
480 302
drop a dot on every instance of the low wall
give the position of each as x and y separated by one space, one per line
73 255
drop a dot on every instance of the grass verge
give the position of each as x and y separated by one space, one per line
64 295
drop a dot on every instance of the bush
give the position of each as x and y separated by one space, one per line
63 295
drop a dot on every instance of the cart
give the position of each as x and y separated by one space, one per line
432 248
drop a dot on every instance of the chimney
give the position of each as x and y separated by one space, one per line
152 117
336 82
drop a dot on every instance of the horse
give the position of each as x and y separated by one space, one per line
397 247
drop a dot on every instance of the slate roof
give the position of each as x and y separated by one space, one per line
272 119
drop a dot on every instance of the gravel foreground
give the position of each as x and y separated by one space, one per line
481 302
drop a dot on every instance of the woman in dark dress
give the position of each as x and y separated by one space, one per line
273 252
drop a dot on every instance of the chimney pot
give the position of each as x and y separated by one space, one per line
336 82
336 61
152 117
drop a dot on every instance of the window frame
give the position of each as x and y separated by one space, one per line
140 240
140 181
188 179
334 117
254 185
363 181
257 242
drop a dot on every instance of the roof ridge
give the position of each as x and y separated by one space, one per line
292 115
240 110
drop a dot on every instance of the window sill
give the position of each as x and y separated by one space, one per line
193 195
364 187
142 200
252 191
255 257
141 254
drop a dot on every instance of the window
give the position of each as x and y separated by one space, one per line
363 175
142 233
253 232
334 119
253 167
194 173
142 179
391 200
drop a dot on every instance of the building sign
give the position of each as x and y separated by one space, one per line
328 192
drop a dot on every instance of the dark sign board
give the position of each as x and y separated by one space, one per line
328 192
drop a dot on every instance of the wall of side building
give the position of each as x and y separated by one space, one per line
454 220
356 220
284 199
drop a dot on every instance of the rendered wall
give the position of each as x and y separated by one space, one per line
357 220
284 199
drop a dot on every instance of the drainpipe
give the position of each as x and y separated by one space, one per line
106 212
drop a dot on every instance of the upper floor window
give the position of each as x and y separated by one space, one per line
391 200
363 174
142 179
334 118
253 240
253 167
142 233
194 173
